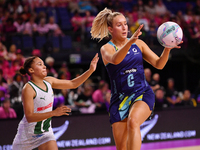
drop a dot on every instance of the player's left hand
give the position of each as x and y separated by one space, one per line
93 63
177 46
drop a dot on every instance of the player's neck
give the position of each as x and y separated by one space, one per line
119 43
37 81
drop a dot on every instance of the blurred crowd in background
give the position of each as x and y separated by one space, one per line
46 28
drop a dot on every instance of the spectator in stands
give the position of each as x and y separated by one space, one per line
15 91
61 95
39 16
197 7
1 14
8 31
99 96
26 14
20 57
85 5
59 100
14 68
3 82
143 20
10 8
180 18
62 3
3 94
156 78
30 26
11 56
38 3
15 88
118 6
18 6
64 68
78 26
6 16
20 25
3 50
148 73
171 93
160 100
155 81
6 112
134 14
49 73
186 100
193 28
42 27
84 100
4 65
152 33
74 93
140 6
189 16
160 8
49 61
189 7
148 76
88 19
53 27
73 6
36 52
150 7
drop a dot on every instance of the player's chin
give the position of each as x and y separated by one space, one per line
124 36
44 74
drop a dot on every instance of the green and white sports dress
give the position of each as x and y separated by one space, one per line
32 135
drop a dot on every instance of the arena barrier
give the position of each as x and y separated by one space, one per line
91 130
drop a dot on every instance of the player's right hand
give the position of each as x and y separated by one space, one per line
137 33
62 110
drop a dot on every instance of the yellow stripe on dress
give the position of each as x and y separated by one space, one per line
139 98
123 102
125 99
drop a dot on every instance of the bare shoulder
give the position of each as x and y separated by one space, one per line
141 44
28 89
107 47
27 86
49 79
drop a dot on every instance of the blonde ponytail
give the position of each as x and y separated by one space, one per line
101 22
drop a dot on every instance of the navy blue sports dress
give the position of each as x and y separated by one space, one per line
128 84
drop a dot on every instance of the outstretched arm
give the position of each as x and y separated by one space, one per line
72 84
152 58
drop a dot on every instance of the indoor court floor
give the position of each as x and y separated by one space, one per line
189 144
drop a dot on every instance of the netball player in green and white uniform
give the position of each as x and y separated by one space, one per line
34 130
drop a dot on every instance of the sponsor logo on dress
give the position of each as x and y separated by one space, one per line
130 70
45 107
42 98
37 135
134 50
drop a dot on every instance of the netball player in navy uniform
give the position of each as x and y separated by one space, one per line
34 129
132 99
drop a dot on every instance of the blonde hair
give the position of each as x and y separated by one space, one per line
102 21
